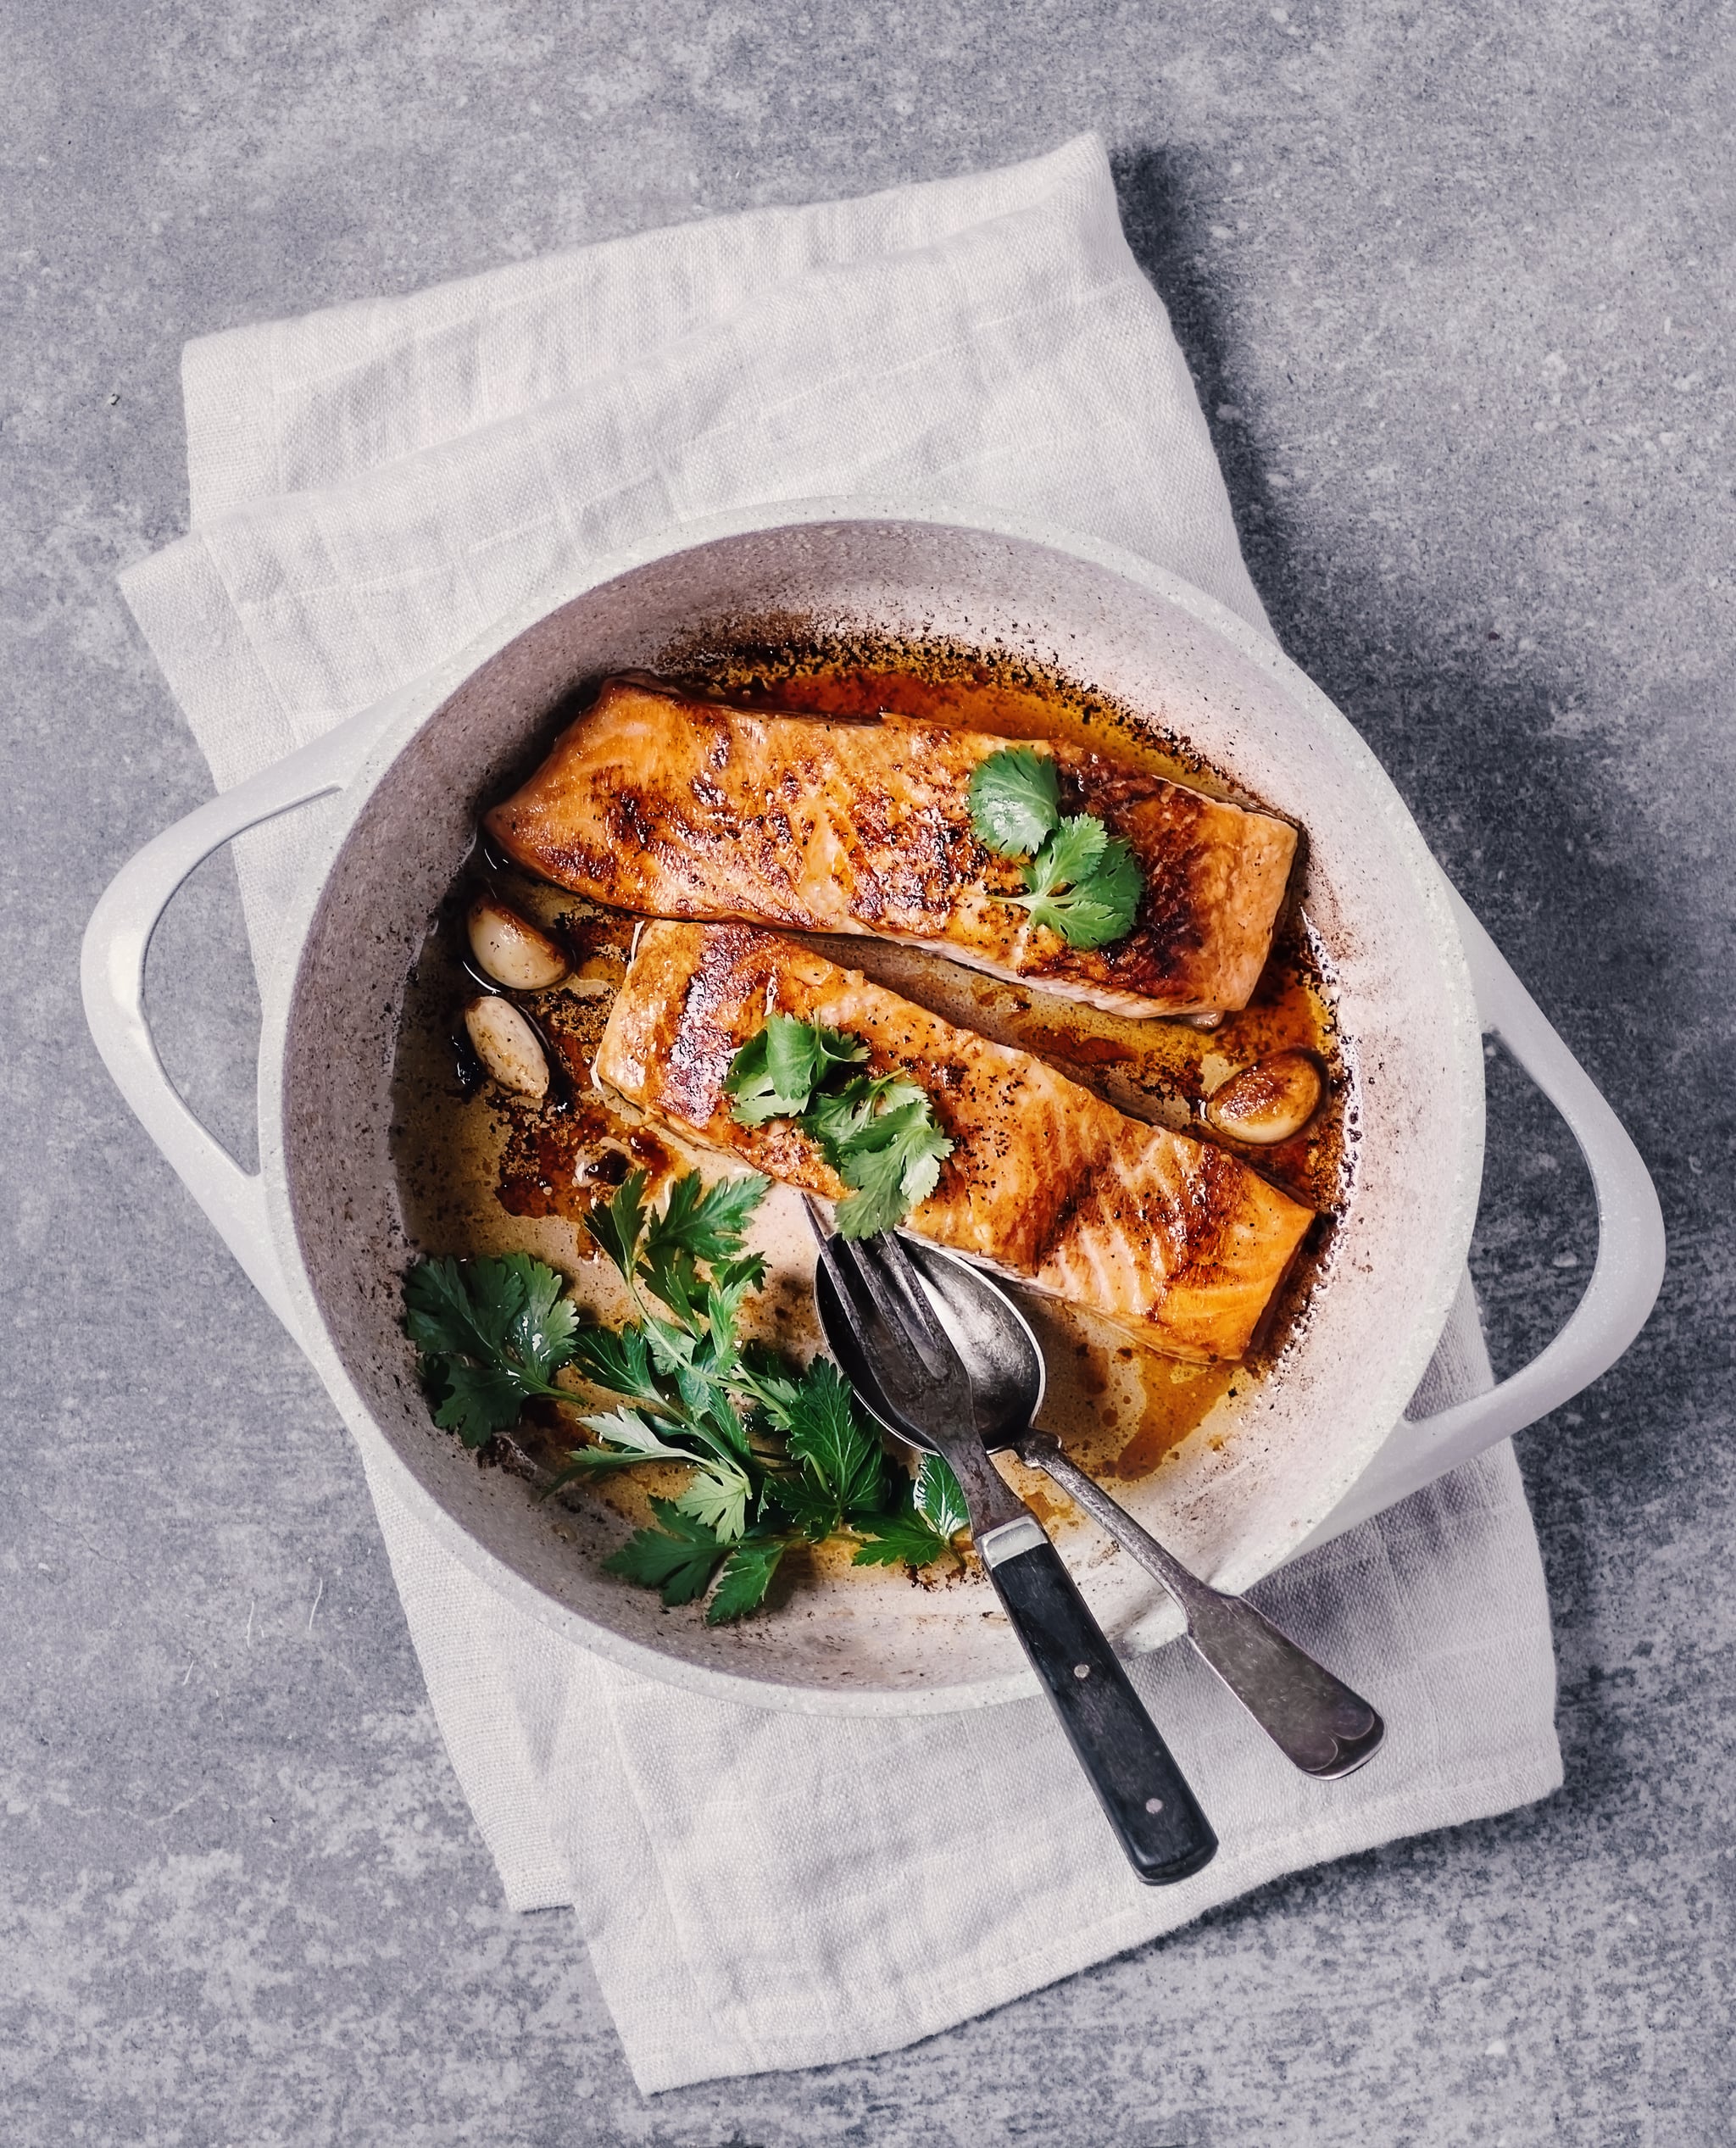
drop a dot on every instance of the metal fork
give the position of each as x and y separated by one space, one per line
1149 1804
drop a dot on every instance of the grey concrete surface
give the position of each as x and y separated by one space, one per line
1456 282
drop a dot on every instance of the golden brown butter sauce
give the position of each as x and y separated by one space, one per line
480 1172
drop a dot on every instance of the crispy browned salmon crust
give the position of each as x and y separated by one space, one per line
1178 1242
681 808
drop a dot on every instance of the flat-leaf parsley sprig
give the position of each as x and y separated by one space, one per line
1081 881
778 1455
877 1130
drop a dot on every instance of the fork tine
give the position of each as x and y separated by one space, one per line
894 1315
873 1299
897 1362
890 1248
902 1303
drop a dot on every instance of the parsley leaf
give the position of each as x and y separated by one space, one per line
1084 883
618 1224
717 1495
746 1576
822 1429
475 1401
492 1333
624 1440
622 1362
903 1539
923 1528
707 1221
679 1558
541 1332
1015 801
626 1432
776 1456
939 1497
810 1508
780 1066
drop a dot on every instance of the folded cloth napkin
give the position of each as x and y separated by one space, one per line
374 487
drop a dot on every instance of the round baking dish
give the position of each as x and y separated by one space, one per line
320 1228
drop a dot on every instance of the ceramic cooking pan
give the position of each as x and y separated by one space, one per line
1320 1442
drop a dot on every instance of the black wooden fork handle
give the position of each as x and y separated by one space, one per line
1144 1794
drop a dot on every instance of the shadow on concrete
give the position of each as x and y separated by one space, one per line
1614 937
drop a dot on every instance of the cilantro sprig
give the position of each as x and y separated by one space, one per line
778 1456
877 1130
780 1066
1083 884
1015 801
1081 881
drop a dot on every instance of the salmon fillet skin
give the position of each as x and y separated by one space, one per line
674 807
1175 1240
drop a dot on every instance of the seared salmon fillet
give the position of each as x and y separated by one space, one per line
1177 1241
675 807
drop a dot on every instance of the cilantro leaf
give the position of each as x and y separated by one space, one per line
822 1429
889 1162
746 1576
1084 883
1015 801
836 1114
877 1130
755 1096
1071 854
939 1497
679 1558
777 1070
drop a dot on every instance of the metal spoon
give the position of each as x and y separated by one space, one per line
1314 1719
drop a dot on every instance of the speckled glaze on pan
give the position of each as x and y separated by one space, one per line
1234 1508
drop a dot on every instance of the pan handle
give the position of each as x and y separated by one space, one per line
113 974
1624 1284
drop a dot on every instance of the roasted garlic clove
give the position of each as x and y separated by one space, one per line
512 950
1269 1101
510 1050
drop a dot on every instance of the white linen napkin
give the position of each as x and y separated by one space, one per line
374 487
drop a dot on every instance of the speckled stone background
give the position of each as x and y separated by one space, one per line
1456 282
